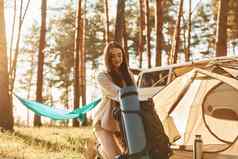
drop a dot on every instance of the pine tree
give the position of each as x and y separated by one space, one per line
142 27
106 21
120 21
40 68
77 46
148 31
6 116
158 29
221 36
176 38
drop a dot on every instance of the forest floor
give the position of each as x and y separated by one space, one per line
48 143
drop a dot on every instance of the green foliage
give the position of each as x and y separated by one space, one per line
203 29
132 25
28 60
170 12
63 29
95 33
61 50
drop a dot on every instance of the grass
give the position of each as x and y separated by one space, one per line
48 143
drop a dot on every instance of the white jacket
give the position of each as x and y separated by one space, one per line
103 112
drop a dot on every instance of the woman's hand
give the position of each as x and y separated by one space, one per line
121 78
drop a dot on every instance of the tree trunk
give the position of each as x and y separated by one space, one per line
12 34
67 91
159 31
14 62
29 88
187 50
176 39
106 20
6 116
125 38
148 30
120 20
221 37
77 50
40 68
142 27
184 37
82 70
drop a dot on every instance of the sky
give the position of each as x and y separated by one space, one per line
33 16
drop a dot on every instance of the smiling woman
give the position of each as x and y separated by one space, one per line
116 57
115 76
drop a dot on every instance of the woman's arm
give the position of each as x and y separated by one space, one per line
132 77
108 87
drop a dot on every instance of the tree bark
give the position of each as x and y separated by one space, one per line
77 50
120 20
12 33
82 70
187 51
176 39
159 30
40 68
221 35
148 31
14 62
125 38
142 27
6 115
106 20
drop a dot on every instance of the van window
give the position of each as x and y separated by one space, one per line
155 79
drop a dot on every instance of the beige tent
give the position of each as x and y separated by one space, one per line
202 102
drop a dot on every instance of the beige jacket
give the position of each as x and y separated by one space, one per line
103 112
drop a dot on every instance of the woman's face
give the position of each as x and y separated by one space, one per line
116 58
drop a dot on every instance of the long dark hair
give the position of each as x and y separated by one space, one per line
123 69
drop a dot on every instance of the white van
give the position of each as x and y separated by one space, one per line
151 81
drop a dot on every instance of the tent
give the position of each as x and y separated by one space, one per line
205 102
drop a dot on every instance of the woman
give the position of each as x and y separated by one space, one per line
115 76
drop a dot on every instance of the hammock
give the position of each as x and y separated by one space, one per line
57 114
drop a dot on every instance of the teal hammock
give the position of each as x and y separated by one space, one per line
57 114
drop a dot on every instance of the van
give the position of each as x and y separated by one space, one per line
151 81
